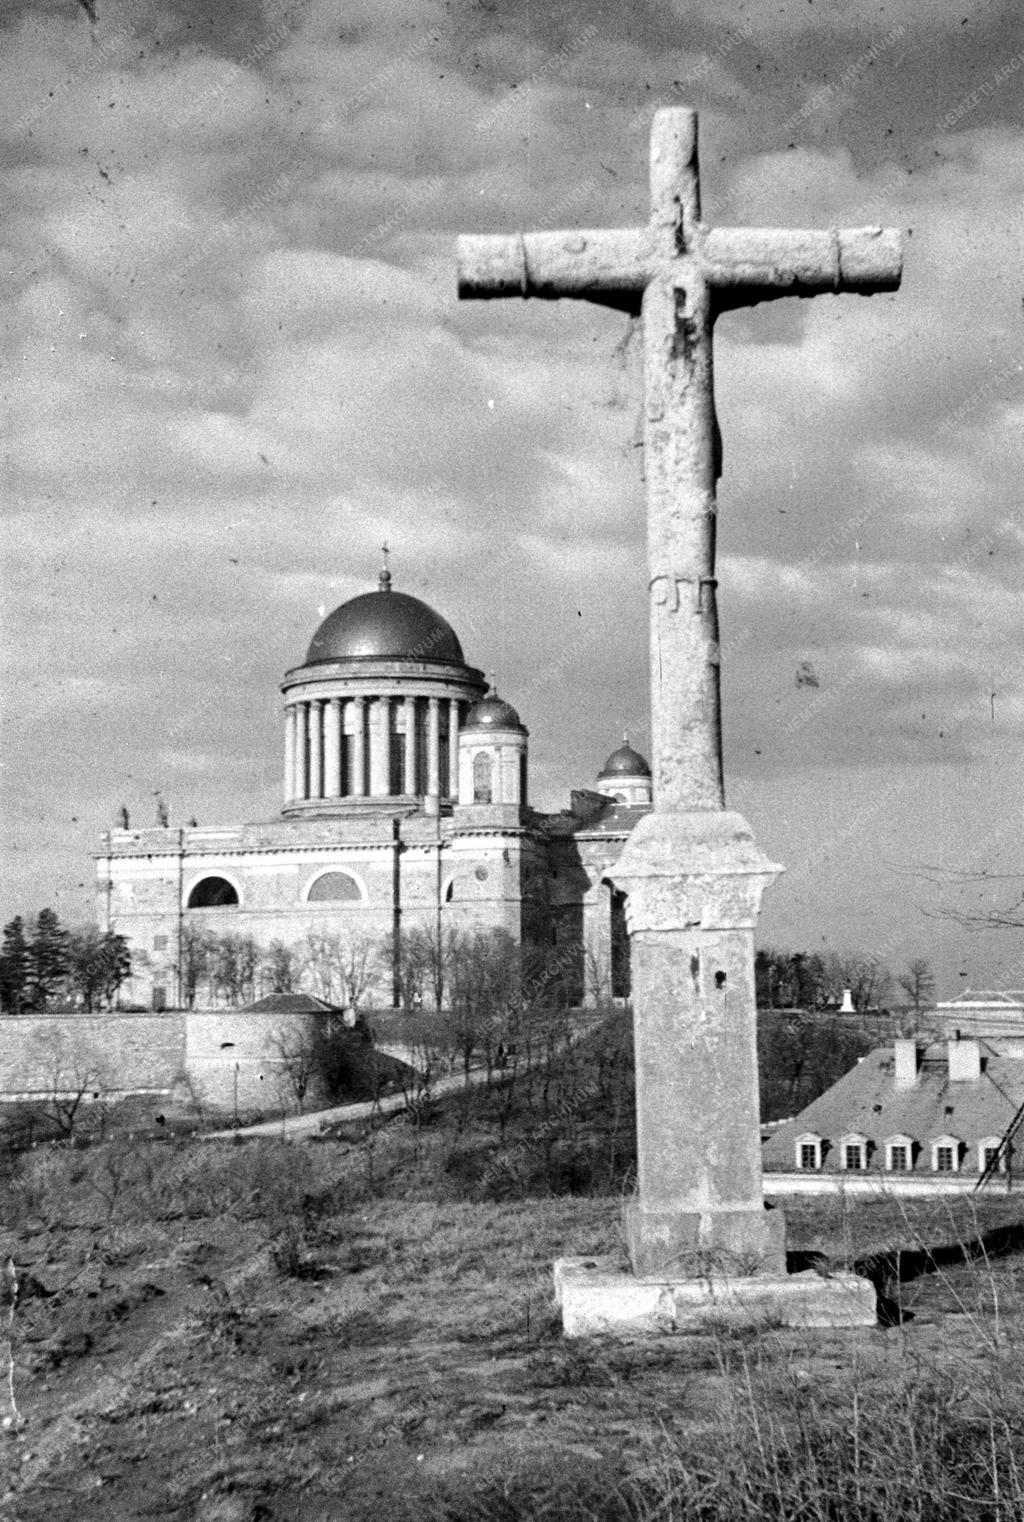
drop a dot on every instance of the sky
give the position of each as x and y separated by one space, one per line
233 363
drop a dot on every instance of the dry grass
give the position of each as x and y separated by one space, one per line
364 1328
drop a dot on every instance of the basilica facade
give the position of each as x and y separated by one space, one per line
406 804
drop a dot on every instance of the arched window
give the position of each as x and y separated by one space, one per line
213 893
482 772
333 887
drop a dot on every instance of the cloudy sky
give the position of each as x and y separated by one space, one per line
233 363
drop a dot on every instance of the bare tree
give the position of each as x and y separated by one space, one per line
424 953
597 969
484 984
318 962
281 965
918 983
340 965
997 898
74 1070
233 962
867 978
194 961
296 1046
357 965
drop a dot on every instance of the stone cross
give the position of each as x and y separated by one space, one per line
693 875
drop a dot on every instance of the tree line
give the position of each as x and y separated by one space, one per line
429 968
44 965
813 981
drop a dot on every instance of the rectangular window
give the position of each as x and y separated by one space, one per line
899 1160
159 997
988 1157
396 781
159 943
854 1157
808 1155
945 1161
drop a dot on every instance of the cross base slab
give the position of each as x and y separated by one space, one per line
596 1299
679 1244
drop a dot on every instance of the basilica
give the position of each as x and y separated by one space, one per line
406 804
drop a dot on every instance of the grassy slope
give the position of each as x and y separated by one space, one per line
363 1329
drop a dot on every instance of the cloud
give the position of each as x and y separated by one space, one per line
235 363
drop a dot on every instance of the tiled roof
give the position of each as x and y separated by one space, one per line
289 1004
865 1101
618 819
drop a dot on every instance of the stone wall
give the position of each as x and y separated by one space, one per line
232 1058
113 1053
226 1055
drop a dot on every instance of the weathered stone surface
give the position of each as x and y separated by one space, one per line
596 1299
694 882
692 872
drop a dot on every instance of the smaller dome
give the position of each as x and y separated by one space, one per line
493 712
625 762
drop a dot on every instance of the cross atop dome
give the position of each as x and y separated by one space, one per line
384 583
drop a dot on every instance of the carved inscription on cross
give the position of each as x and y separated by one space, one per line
679 274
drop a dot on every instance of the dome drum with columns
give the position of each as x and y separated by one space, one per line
373 716
406 804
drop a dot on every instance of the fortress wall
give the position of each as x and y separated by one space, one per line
232 1057
113 1052
116 1053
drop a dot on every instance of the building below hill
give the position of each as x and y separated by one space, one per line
999 1013
912 1118
406 806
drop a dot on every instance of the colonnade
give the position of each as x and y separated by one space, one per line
371 747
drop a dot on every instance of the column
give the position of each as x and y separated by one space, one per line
409 780
316 772
453 748
289 753
332 748
378 756
357 782
301 748
433 744
385 744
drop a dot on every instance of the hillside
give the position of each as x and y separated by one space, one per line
363 1327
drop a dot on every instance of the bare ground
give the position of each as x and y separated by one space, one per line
266 1333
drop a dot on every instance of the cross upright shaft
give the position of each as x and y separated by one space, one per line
678 275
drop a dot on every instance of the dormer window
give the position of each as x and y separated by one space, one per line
899 1154
853 1153
946 1154
991 1154
808 1152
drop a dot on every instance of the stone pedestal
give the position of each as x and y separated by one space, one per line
694 882
596 1299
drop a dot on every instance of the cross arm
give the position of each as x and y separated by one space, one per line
607 265
750 264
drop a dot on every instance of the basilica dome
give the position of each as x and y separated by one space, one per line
385 624
625 762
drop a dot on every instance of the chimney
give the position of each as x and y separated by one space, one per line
905 1053
964 1061
847 1007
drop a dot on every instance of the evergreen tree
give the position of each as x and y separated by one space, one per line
48 958
14 967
